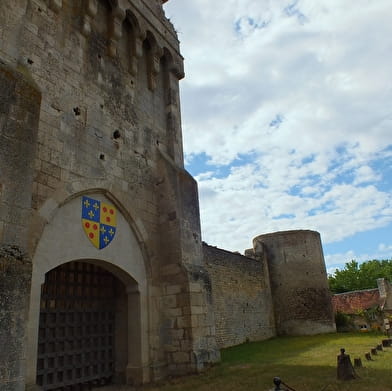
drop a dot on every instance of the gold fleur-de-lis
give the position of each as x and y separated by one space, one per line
86 203
106 240
91 214
111 231
103 230
96 206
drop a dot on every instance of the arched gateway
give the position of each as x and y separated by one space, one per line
99 217
88 317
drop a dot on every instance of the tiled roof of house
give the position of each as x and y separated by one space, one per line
352 302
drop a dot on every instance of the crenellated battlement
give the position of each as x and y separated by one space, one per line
111 59
138 23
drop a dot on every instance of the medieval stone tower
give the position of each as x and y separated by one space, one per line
103 274
95 199
298 278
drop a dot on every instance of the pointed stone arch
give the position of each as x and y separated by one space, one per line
175 63
131 27
123 201
62 240
152 53
110 29
134 21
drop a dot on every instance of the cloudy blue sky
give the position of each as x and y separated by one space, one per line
287 120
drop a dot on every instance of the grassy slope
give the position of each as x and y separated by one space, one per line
304 363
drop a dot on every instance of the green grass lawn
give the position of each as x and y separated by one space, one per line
304 363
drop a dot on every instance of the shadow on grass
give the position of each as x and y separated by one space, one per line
304 363
276 348
300 378
271 349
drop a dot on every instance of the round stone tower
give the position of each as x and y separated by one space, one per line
299 284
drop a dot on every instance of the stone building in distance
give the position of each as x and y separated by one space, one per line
103 273
366 309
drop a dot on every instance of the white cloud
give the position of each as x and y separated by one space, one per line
339 212
338 260
365 174
323 69
385 249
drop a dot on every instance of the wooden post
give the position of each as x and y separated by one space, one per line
386 343
345 370
357 363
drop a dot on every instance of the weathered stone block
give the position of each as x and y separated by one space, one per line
240 298
173 289
15 279
180 357
183 322
170 301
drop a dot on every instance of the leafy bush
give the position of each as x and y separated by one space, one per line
343 322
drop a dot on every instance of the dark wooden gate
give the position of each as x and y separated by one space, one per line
76 328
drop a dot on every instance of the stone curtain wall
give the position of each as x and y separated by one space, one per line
241 298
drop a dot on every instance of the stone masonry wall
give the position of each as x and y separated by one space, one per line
20 101
90 104
189 332
15 279
108 72
241 298
299 284
356 301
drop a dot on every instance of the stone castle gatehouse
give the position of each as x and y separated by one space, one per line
103 273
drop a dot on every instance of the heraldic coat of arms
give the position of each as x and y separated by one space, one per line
99 221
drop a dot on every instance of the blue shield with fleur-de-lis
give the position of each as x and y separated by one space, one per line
99 221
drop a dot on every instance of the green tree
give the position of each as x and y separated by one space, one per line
356 277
